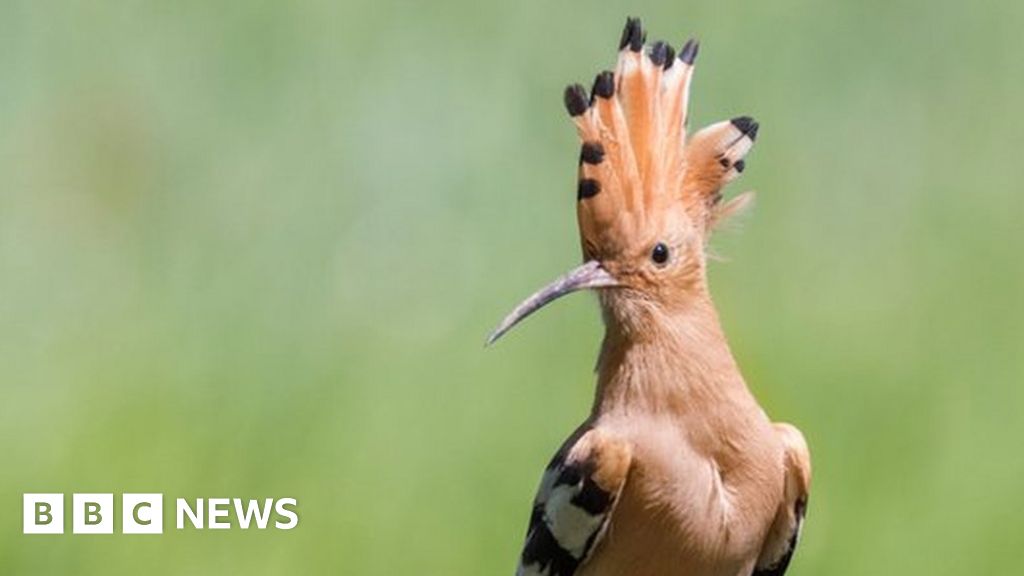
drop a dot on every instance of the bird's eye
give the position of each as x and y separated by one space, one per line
660 254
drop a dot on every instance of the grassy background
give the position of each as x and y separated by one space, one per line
253 251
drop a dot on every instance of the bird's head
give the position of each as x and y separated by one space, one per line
648 195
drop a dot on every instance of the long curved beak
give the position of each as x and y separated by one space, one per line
589 275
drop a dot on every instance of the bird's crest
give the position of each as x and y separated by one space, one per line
649 195
636 159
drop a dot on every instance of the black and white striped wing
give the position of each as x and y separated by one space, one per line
779 566
573 505
778 552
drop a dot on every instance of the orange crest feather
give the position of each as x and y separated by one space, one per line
636 160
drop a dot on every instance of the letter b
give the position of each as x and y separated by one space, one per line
92 514
43 514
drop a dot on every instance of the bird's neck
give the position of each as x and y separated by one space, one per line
671 362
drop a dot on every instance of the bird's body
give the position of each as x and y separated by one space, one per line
708 467
678 470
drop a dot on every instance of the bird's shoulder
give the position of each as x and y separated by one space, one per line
574 502
785 532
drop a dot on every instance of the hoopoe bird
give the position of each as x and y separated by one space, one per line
677 470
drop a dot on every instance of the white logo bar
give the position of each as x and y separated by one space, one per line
144 513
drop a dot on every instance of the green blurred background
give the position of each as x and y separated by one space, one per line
253 249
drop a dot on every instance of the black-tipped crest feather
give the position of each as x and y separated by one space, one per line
604 85
689 51
576 100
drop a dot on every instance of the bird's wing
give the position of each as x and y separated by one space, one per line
785 532
576 497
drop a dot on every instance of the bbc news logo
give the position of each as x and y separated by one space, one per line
144 513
